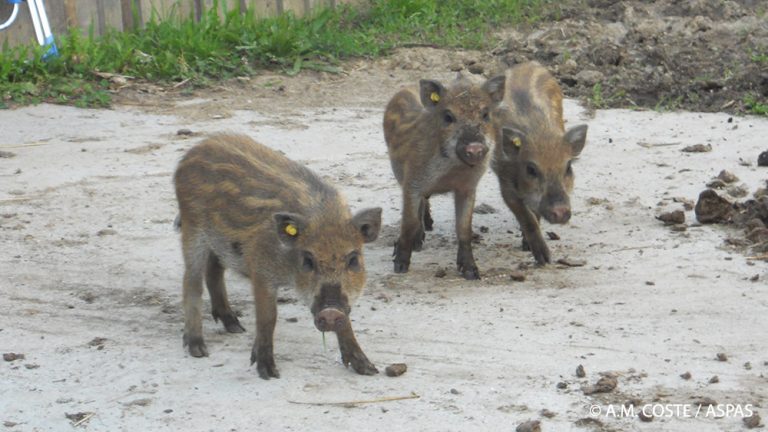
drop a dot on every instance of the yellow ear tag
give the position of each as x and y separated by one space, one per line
434 97
517 142
291 230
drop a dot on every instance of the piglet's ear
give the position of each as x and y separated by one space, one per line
576 137
431 92
368 221
290 227
512 141
495 88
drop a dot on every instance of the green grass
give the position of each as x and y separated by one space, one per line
756 105
234 44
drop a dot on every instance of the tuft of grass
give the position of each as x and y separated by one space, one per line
228 43
756 105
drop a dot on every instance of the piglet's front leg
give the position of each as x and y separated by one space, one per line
351 353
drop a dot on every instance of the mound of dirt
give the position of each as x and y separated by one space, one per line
700 55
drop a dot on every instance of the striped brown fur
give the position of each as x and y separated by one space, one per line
533 160
438 139
237 199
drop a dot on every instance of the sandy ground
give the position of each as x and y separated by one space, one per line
91 272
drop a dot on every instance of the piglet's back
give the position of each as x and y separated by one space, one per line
250 181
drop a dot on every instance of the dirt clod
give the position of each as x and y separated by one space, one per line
9 357
712 208
727 176
722 357
529 426
605 384
752 422
517 276
686 376
714 380
698 148
580 373
396 369
672 218
762 159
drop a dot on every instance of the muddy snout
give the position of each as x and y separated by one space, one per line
472 153
558 214
330 319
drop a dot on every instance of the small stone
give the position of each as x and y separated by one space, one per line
706 402
9 357
748 366
440 273
106 232
547 413
644 418
698 148
484 209
722 357
484 229
762 160
605 384
752 422
454 391
678 228
184 132
517 276
754 278
553 235
714 380
650 283
672 218
580 373
727 176
686 376
737 191
31 365
716 184
562 385
529 426
589 77
292 320
6 155
396 369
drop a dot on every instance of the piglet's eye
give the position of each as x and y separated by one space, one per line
308 263
448 117
532 171
353 262
569 169
486 116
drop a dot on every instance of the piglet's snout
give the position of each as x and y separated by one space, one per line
559 214
475 152
330 319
